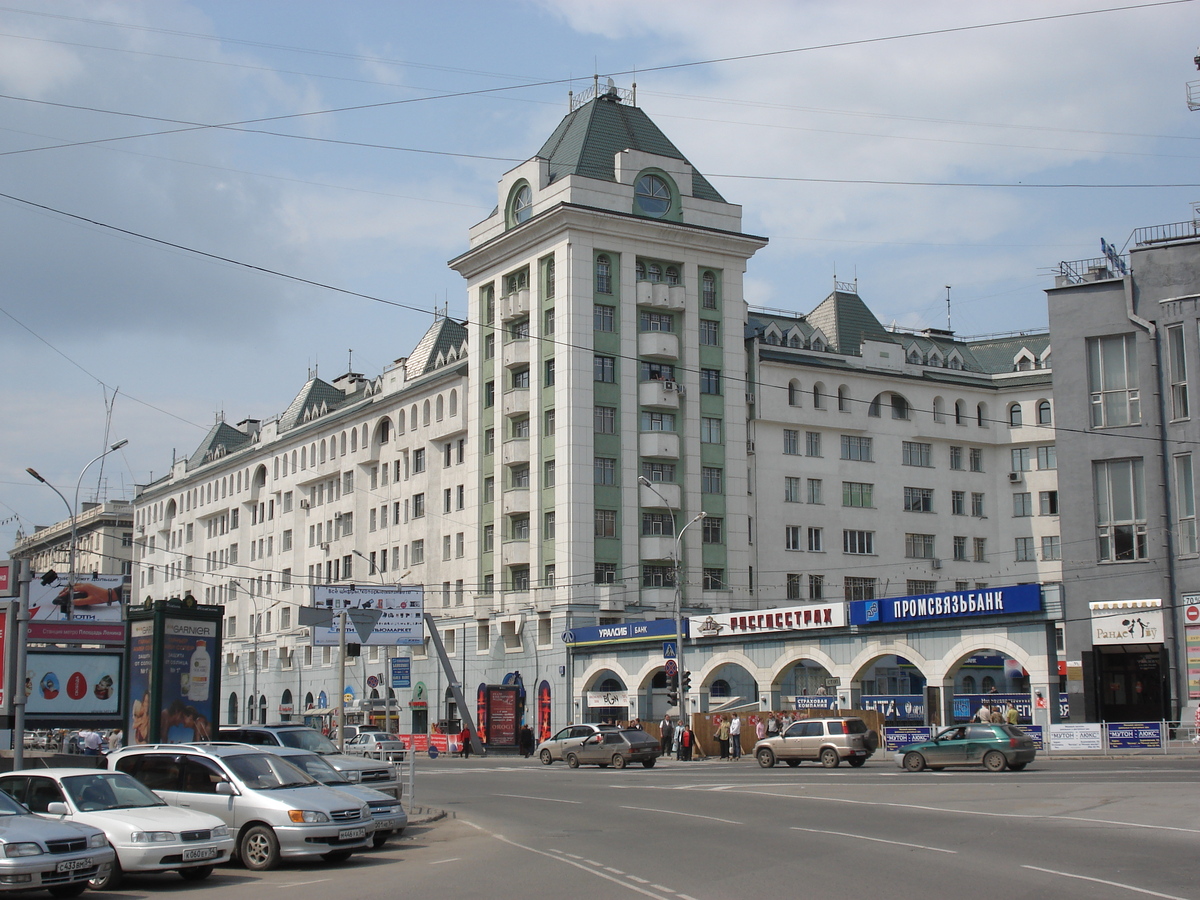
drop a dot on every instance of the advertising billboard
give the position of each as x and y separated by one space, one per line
401 620
1021 598
502 715
92 598
60 684
141 678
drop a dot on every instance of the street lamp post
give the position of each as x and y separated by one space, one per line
678 567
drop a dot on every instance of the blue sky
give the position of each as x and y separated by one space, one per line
909 146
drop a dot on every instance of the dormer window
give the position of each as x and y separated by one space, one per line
652 196
522 204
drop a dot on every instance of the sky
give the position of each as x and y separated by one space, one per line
200 202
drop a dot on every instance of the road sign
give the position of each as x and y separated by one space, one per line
672 668
670 648
1192 613
401 672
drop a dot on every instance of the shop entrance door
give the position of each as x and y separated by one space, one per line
1131 683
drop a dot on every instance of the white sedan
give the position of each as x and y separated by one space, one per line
148 835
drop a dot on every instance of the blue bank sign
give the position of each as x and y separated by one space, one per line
623 632
1021 598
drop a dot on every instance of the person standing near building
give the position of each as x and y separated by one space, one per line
1011 715
760 728
735 736
91 742
464 740
665 733
723 736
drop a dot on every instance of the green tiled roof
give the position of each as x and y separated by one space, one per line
443 337
222 439
845 321
588 139
997 355
316 395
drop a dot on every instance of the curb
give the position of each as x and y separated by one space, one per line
425 815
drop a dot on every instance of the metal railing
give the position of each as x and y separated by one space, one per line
1162 234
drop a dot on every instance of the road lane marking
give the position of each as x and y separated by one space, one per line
547 799
292 884
1128 887
863 837
659 887
614 871
438 862
671 812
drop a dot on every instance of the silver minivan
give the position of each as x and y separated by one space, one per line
273 808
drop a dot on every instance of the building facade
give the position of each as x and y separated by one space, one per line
103 544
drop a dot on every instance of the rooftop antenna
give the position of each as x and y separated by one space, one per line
948 328
350 361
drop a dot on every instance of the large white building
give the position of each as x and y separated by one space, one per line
616 386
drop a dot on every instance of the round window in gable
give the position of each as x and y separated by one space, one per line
653 196
522 204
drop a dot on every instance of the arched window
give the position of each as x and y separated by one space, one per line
521 205
453 404
960 412
914 358
603 275
364 437
1014 415
233 709
939 410
672 275
413 415
794 341
988 684
322 449
719 688
900 407
818 345
400 418
875 408
276 471
843 399
654 272
1044 416
550 278
709 290
793 393
342 445
652 196
639 271
981 415
440 408
818 396
353 440
293 461
425 413
968 684
312 454
250 711
385 430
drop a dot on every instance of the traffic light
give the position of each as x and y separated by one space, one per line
353 650
687 681
673 690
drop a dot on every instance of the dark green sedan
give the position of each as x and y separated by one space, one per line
995 747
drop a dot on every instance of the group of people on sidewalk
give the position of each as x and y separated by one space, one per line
994 714
678 739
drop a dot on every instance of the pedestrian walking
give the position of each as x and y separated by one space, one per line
526 741
464 740
760 729
735 736
772 724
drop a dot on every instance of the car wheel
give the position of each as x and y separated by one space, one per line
572 760
1017 767
69 890
379 838
547 758
337 856
994 761
830 758
857 762
649 763
618 761
196 873
766 758
107 882
792 763
259 848
914 762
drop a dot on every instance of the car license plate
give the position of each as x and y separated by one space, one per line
71 865
384 823
349 834
200 853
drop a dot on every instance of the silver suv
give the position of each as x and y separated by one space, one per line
274 809
828 741
372 773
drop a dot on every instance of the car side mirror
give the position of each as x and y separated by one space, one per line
57 808
224 787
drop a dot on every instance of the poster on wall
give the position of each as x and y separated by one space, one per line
1193 661
186 701
401 622
141 676
73 683
481 713
502 715
543 707
92 598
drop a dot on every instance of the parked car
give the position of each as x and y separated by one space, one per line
995 747
617 748
386 811
554 748
274 810
48 854
370 773
376 744
826 740
147 834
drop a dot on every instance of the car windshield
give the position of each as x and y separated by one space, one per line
10 807
307 739
108 790
264 772
315 766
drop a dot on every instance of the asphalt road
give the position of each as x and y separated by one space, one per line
712 830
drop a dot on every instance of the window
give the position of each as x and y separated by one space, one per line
1185 503
652 196
1023 504
710 333
793 587
708 291
859 588
604 420
489 489
812 443
714 579
520 581
489 394
1024 548
658 524
651 371
606 573
791 441
606 523
1044 414
604 279
1048 503
858 542
960 548
1120 510
792 537
658 576
918 546
918 499
976 456
956 458
958 503
602 317
520 380
604 470
655 321
917 454
658 471
710 381
856 447
816 587
1113 381
548 473
714 529
816 540
418 505
980 549
549 419
548 522
489 346
1020 459
489 538
1051 547
418 552
520 476
1047 457
604 368
814 491
977 505
791 489
1178 372
657 421
711 479
518 528
489 442
710 430
857 493
520 427
548 380
522 204
1014 415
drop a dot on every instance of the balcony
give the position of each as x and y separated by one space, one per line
515 501
659 598
659 444
514 305
658 345
663 394
656 547
660 295
516 402
515 451
649 498
516 353
515 553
